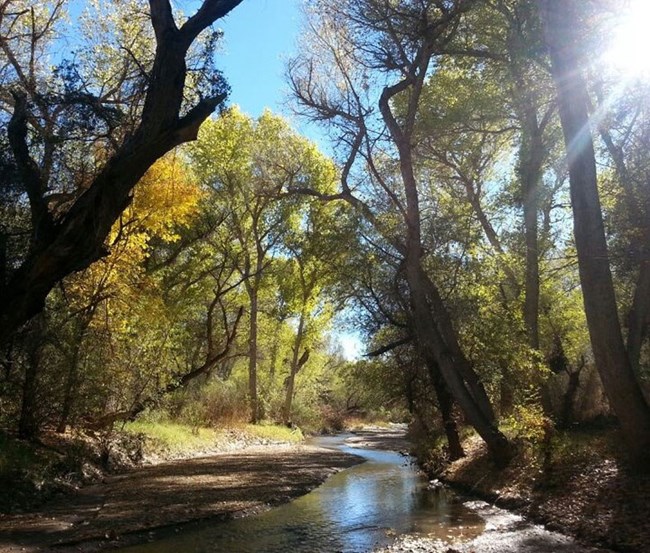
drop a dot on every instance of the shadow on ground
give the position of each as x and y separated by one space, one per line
219 486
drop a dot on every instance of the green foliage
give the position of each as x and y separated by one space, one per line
373 389
173 438
274 432
529 423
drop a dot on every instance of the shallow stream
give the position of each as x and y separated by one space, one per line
354 511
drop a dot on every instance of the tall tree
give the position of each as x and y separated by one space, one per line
72 236
562 24
400 41
249 165
317 250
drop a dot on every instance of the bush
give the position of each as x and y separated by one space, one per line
529 423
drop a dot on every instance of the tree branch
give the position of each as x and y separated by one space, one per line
208 13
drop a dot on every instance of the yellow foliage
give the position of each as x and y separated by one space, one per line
165 199
528 422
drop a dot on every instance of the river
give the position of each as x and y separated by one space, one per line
354 511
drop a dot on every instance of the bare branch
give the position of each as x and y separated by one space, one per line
389 347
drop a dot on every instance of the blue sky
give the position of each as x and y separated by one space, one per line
259 36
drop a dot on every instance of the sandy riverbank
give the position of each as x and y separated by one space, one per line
130 507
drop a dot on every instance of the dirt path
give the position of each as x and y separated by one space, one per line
130 505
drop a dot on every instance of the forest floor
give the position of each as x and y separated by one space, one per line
132 507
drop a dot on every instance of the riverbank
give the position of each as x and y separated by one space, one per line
134 506
32 473
105 490
575 484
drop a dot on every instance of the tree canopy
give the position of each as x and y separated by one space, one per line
481 221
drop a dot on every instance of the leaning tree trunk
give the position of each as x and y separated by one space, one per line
434 330
618 378
450 337
76 239
446 404
435 350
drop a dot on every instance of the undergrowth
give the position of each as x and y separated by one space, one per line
173 437
274 432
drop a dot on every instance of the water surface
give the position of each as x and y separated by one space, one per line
354 511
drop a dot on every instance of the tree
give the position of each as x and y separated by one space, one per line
248 166
496 148
316 251
71 237
399 41
562 23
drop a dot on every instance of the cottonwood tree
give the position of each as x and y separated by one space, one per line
248 165
497 148
563 23
371 54
623 125
317 247
501 40
120 130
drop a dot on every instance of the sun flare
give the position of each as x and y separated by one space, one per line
629 49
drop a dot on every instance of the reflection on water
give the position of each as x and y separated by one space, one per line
353 512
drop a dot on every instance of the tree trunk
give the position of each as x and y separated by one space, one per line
638 213
293 369
275 350
28 421
27 425
618 378
532 153
253 400
450 338
569 399
513 288
530 170
446 404
639 316
70 388
432 324
435 350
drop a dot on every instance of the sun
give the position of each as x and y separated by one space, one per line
628 51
